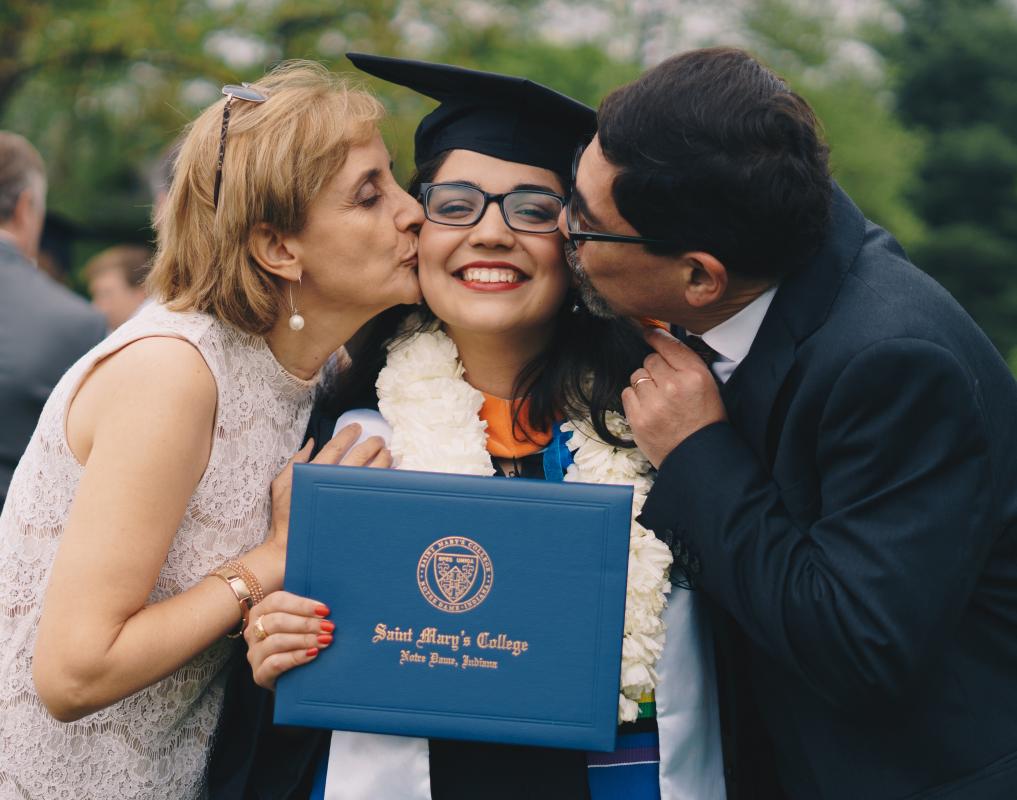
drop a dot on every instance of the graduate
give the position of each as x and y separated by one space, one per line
529 384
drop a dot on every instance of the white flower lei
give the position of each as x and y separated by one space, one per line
434 414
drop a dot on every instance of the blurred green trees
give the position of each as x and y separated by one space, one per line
954 71
103 86
873 156
918 99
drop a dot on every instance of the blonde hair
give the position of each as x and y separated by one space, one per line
279 156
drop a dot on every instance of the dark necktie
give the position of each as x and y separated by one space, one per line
702 349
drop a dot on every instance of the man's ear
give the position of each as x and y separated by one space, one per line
25 208
27 220
274 252
26 215
706 279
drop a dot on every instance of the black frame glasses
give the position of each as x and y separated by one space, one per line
572 216
232 91
427 192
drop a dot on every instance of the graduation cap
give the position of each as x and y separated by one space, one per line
511 118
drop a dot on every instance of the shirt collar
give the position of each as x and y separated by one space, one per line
733 338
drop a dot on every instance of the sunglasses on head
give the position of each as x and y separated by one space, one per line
233 92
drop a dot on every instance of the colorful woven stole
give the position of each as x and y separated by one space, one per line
631 772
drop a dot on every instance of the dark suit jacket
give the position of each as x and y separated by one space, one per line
857 517
44 328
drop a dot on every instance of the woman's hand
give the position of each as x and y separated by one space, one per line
268 560
285 632
292 629
339 450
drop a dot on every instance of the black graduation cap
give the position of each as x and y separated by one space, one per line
498 115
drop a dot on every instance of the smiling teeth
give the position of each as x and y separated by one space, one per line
486 275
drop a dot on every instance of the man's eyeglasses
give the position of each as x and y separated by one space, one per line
232 91
576 234
462 205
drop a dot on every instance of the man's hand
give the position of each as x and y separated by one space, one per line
672 396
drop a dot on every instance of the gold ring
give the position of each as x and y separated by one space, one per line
259 630
640 380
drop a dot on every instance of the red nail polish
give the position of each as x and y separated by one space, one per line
312 652
322 611
327 627
324 638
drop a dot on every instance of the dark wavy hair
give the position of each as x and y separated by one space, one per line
582 372
716 153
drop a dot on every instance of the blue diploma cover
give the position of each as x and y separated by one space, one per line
465 607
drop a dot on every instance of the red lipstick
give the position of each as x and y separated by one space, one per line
484 276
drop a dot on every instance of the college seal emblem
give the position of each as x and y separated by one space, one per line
455 574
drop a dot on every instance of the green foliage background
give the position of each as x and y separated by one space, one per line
918 97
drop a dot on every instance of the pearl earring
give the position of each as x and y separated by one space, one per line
296 321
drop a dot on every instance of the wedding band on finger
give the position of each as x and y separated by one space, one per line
640 380
259 630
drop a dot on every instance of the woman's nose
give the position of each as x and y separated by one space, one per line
411 214
491 230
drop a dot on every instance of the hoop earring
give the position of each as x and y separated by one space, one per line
296 321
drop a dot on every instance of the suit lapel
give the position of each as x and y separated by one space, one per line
800 306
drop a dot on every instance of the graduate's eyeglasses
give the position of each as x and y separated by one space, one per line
576 233
232 92
462 205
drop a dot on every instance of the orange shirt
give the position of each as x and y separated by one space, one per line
502 440
648 322
505 442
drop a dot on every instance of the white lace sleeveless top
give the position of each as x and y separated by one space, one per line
155 743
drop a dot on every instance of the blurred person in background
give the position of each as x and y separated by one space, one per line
44 327
54 257
116 281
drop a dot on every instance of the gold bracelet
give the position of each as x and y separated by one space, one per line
257 593
240 590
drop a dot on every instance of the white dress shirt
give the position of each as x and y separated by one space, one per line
733 338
